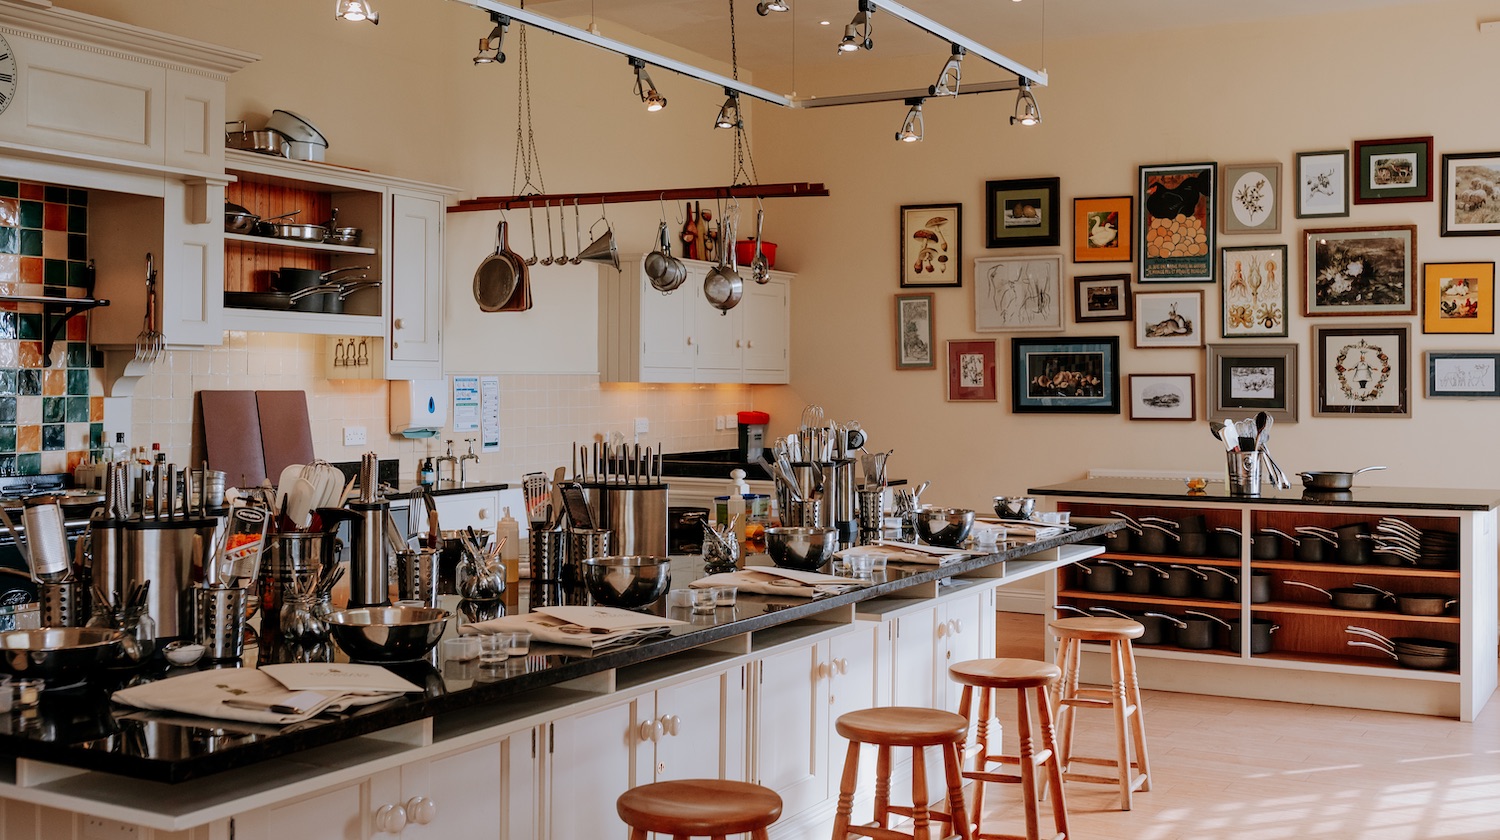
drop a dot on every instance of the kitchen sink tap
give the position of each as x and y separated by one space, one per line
452 461
463 460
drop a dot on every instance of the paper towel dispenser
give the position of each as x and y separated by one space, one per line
419 407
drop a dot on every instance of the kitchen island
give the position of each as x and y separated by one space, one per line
543 747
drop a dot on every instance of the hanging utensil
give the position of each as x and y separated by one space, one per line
531 217
577 235
150 342
547 214
562 234
722 286
760 267
655 261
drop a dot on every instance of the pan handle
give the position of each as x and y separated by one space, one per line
1309 586
1181 625
1206 615
1373 588
1367 632
1390 653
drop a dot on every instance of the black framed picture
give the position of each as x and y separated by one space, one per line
1021 213
1065 376
1363 371
1464 375
932 248
1252 377
1393 170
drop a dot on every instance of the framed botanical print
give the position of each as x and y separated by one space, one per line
1013 294
1469 375
1471 194
1175 222
1253 377
1362 371
1322 182
1102 229
914 332
971 371
1250 199
1104 297
1162 396
1169 319
1359 271
1458 298
1070 376
1393 170
1021 213
1253 300
931 245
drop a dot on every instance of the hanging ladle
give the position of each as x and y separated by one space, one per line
577 235
531 217
547 212
562 233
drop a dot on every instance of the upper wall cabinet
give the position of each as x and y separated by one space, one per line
401 226
646 336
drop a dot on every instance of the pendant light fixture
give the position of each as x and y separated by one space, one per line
765 7
950 75
1027 112
860 31
492 46
645 88
912 129
729 112
355 10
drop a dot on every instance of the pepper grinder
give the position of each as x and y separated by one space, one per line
369 566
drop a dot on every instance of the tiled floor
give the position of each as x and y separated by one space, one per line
1227 769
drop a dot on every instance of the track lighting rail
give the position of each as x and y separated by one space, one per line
785 190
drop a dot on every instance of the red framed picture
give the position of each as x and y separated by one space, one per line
971 371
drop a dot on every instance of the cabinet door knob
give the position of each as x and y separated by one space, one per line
396 324
738 343
750 345
390 819
670 723
484 513
823 670
958 623
650 730
690 341
421 810
842 665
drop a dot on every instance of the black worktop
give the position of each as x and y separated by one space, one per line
1416 498
711 463
80 728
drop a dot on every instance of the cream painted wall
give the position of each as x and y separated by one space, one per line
1244 94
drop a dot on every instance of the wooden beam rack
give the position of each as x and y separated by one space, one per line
787 190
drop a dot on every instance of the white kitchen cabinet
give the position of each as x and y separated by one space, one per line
646 336
479 510
416 276
927 639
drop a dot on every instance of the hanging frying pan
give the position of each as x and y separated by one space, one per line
500 276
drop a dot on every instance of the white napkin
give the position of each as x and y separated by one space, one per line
903 552
773 580
255 697
592 633
1016 529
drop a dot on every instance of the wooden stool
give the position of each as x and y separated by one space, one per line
1123 696
699 808
989 675
902 726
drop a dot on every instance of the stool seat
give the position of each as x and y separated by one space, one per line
902 726
1097 629
699 807
1004 673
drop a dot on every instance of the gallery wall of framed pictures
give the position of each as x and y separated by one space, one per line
1151 268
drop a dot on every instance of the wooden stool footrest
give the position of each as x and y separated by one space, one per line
933 814
988 836
1136 779
1088 702
877 832
998 778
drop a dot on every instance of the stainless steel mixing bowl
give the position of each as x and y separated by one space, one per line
387 634
63 656
947 527
629 582
808 549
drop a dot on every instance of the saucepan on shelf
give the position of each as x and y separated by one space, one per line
279 227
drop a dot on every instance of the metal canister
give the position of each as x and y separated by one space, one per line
369 565
46 539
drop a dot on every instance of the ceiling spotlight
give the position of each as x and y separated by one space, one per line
860 31
912 129
645 88
491 46
947 83
765 7
1027 112
355 10
729 114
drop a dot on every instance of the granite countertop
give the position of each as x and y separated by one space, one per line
1418 498
80 728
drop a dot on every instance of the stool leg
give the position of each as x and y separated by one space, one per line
1054 769
982 742
1028 764
958 822
883 786
1122 732
919 817
1068 661
637 833
1133 694
846 794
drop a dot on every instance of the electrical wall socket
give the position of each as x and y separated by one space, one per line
355 436
718 422
642 425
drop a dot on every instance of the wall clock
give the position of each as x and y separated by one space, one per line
8 74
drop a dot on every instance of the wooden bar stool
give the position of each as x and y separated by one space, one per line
1022 675
712 808
1123 697
902 726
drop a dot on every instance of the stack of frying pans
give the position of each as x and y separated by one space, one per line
1397 542
1422 654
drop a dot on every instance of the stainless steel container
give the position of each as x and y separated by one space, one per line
221 621
61 606
171 553
417 575
369 564
106 556
635 514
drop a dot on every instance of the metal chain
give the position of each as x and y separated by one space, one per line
527 156
741 147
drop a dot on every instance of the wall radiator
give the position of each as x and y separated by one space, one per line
1178 475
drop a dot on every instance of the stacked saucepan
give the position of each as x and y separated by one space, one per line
1364 596
1193 629
1409 652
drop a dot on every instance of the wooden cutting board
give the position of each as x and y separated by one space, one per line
231 436
285 431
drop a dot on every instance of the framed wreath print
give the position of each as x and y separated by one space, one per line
1363 371
1471 194
1253 301
931 245
1104 297
1253 377
1393 170
971 371
1102 229
1359 271
1175 222
1021 213
1162 396
1458 298
1070 376
1322 180
1169 319
914 332
1251 198
1463 374
1014 294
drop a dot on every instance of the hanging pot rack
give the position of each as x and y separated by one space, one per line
799 189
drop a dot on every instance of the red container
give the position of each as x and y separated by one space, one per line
744 252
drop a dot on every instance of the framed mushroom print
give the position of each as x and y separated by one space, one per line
1251 198
1102 229
971 371
1458 298
1362 371
1021 213
914 332
1359 271
1322 182
1253 301
931 247
1471 194
1176 222
1014 294
1393 170
1253 377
